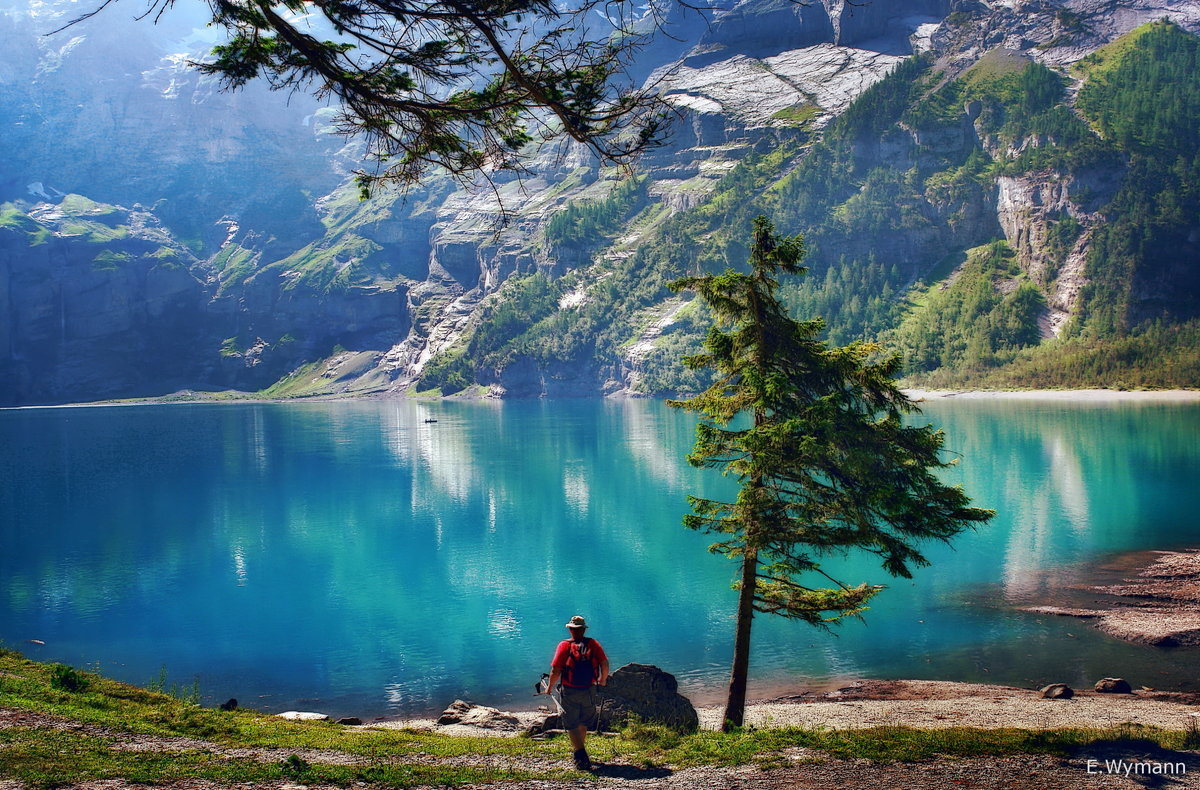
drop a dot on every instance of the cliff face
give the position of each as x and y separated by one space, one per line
256 264
99 301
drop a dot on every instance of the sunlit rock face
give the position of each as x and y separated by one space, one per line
754 90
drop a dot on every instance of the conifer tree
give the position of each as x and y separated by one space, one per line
816 438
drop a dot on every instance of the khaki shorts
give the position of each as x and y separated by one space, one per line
579 707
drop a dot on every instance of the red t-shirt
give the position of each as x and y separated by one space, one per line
569 674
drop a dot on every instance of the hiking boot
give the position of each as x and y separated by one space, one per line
582 761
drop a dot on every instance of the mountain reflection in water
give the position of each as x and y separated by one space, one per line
354 556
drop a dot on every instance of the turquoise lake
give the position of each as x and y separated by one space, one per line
353 559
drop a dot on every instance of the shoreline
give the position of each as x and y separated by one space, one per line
918 395
919 704
1148 597
1078 395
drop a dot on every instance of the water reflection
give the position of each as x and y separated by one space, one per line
359 555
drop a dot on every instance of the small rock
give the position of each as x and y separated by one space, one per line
460 712
1113 686
300 715
1058 691
551 722
350 721
454 712
230 704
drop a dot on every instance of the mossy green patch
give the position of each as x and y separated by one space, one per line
108 260
1109 56
235 264
94 232
78 206
995 64
13 217
800 115
333 264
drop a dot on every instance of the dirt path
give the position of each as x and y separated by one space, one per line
1019 772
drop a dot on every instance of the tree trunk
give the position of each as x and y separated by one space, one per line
735 704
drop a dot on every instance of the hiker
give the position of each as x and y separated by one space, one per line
580 663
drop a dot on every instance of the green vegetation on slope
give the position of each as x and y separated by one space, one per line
103 718
1143 93
891 198
1141 90
526 322
587 223
977 320
1156 355
499 335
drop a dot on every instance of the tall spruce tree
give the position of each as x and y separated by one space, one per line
815 436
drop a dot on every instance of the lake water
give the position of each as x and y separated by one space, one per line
352 558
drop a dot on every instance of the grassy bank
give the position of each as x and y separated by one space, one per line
60 726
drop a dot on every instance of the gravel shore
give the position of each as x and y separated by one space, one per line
929 704
921 704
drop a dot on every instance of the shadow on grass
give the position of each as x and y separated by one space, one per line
1141 760
632 772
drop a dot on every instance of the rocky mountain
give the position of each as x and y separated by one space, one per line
1002 190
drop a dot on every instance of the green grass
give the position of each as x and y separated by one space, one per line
42 758
798 115
77 205
235 264
13 217
112 713
333 264
994 64
1110 55
107 260
95 232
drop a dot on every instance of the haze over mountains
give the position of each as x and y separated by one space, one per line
1006 191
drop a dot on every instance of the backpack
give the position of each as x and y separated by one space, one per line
581 664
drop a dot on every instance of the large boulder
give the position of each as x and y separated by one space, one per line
645 692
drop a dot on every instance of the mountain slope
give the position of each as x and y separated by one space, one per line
1004 206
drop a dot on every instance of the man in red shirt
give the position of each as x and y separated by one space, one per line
580 663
